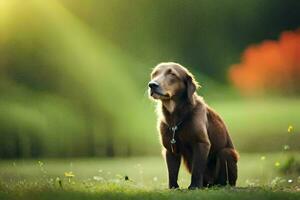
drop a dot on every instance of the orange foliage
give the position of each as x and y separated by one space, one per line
269 66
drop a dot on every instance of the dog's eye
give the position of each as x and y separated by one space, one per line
172 74
172 78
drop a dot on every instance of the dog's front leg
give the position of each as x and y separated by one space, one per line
200 153
173 163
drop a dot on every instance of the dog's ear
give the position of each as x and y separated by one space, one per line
191 86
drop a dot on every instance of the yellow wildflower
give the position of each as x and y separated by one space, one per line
290 129
69 174
277 164
263 158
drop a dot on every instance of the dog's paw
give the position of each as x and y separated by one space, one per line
194 187
174 186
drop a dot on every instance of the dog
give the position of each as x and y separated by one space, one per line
191 130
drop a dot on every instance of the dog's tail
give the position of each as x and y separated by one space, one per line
227 171
233 152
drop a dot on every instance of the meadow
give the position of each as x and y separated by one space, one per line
75 118
139 177
262 175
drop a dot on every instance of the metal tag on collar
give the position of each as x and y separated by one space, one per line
173 141
174 128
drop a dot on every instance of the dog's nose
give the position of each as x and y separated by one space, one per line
153 84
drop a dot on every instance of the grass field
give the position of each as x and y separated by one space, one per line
259 178
252 123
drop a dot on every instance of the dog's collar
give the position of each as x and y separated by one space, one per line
174 129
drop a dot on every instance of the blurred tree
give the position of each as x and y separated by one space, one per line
205 35
270 66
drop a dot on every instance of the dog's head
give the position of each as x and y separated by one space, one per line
170 81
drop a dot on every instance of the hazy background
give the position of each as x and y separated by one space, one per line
74 73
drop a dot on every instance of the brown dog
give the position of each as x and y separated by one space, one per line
191 130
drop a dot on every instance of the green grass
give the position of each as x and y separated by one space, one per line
105 179
253 122
116 192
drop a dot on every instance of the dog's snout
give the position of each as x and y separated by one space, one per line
153 84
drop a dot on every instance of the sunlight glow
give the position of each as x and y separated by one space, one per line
5 10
